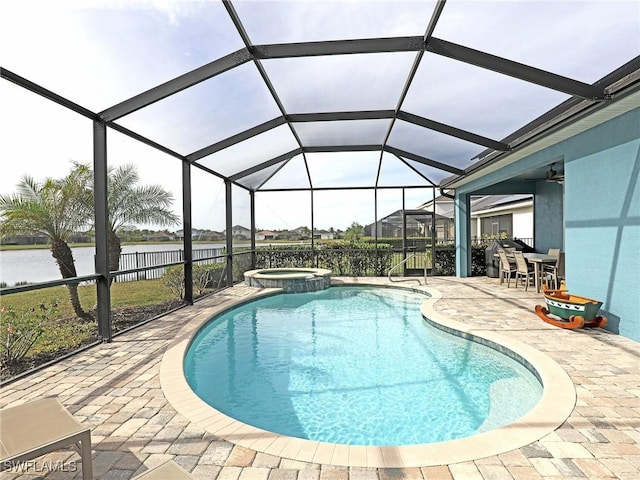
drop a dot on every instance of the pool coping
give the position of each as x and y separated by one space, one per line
295 273
296 280
556 404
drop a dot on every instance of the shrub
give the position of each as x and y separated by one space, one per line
282 256
173 278
205 276
341 257
445 261
21 329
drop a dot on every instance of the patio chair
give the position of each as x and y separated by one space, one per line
553 273
506 268
168 470
30 430
547 268
524 271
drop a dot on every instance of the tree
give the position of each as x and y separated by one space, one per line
354 232
56 209
130 204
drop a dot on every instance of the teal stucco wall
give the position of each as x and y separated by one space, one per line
601 231
602 224
548 220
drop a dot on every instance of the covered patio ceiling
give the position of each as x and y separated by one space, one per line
295 95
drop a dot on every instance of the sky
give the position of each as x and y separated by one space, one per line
98 53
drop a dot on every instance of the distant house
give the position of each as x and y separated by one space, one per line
79 238
301 233
286 235
266 235
491 215
158 237
442 207
506 215
202 235
24 240
323 235
210 236
39 239
195 233
391 226
239 232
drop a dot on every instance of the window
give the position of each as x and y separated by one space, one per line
497 225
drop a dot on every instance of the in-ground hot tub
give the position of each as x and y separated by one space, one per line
291 280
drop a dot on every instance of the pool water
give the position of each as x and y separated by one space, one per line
354 365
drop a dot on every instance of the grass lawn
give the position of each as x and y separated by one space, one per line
62 331
124 294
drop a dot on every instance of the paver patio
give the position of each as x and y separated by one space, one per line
115 388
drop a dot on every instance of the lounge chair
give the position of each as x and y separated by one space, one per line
166 471
30 430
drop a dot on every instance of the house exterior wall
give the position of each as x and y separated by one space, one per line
601 215
521 214
523 222
462 217
602 223
549 216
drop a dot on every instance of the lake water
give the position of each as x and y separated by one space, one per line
38 265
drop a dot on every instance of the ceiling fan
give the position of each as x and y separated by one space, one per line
553 176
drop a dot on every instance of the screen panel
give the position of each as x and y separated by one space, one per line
397 172
283 212
330 212
342 132
341 82
32 153
475 99
305 21
432 145
208 112
292 175
254 180
343 169
251 152
580 40
434 174
103 52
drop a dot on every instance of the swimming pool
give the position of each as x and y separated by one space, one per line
356 366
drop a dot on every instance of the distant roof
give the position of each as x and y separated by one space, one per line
490 201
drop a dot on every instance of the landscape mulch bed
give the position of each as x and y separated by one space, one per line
121 319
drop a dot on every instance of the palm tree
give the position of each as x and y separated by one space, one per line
56 209
129 204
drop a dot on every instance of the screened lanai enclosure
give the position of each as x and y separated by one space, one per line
271 117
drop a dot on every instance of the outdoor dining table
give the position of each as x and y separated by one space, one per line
538 260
